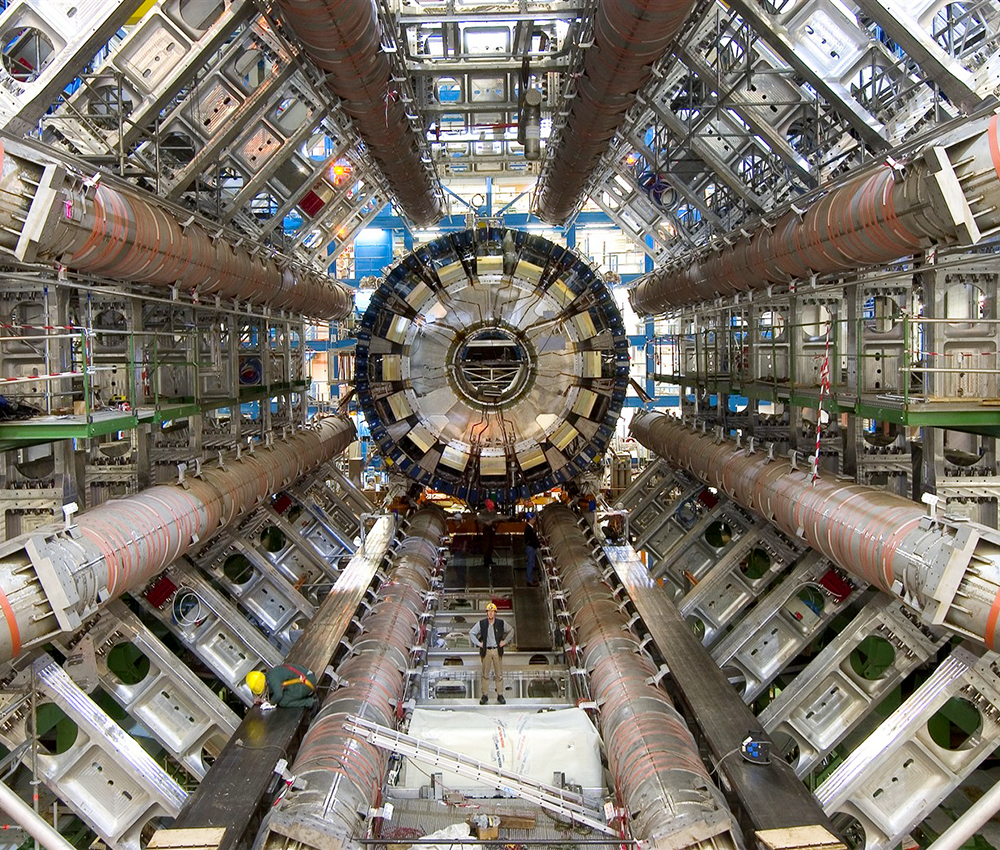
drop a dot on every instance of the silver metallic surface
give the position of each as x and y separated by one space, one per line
151 85
110 781
529 126
31 821
77 30
652 756
213 628
780 627
51 579
832 696
723 594
174 705
948 192
342 773
901 772
492 360
54 212
950 573
628 38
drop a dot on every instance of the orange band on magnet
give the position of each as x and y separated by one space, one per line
991 622
994 143
15 632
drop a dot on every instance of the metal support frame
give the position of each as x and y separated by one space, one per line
828 700
173 704
233 790
104 775
559 801
780 626
899 774
769 795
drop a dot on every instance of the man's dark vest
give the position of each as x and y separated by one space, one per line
498 629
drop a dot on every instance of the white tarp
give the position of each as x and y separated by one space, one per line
458 830
534 744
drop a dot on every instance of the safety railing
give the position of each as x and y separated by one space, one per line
895 362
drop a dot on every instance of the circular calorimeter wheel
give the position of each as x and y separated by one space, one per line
492 361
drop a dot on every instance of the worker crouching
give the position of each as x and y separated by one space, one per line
285 686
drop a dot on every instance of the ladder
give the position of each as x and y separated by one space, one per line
556 800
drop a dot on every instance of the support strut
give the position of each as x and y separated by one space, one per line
53 578
949 572
947 193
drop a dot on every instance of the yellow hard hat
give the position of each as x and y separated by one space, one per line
256 681
490 606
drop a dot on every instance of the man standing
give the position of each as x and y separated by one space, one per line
530 551
487 521
490 635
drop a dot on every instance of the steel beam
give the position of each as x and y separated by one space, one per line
231 794
832 92
948 74
340 772
831 698
899 774
54 578
74 32
770 795
658 772
103 773
949 572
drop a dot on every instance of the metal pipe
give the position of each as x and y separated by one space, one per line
53 578
629 35
652 756
53 212
970 822
28 819
529 125
948 192
341 773
344 38
315 649
950 572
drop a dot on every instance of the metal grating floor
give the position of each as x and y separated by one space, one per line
465 571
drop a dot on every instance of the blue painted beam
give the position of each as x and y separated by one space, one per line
650 356
506 207
457 197
327 344
659 401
